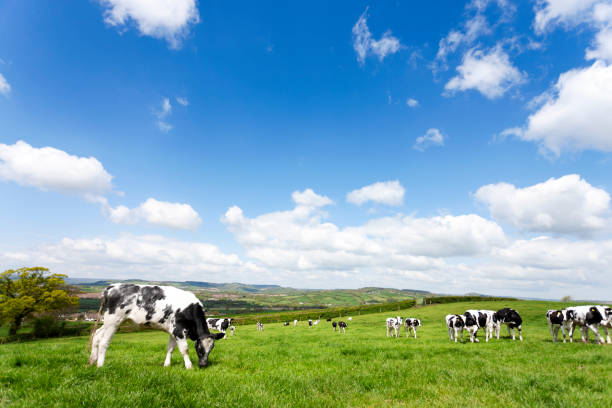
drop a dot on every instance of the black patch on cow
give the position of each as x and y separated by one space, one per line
167 313
118 296
555 317
148 296
226 323
510 317
212 323
482 319
342 324
185 321
593 316
470 320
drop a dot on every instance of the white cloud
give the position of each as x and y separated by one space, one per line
48 168
490 73
298 240
134 256
5 87
576 115
162 213
182 100
566 12
309 198
567 205
365 45
433 137
383 192
164 111
164 19
411 102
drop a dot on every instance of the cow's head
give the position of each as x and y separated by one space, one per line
204 346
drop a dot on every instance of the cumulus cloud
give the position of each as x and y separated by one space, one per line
489 72
47 168
136 256
309 198
411 102
433 137
550 13
170 20
383 192
5 87
564 205
576 114
365 45
152 211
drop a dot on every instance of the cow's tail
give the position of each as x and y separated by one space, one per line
95 326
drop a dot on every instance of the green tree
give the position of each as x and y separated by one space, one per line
26 291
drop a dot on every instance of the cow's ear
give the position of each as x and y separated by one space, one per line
218 336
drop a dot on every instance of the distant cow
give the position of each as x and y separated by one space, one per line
286 324
477 319
334 325
350 319
557 320
394 323
315 322
259 326
328 320
342 326
511 319
232 330
295 322
411 324
173 310
455 324
309 323
589 317
219 324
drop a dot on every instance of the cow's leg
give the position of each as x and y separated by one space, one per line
95 345
571 332
605 329
184 349
414 328
563 331
553 331
171 346
388 331
596 331
450 333
105 339
520 330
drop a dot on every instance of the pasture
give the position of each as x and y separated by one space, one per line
297 366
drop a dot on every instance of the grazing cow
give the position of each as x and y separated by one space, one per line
394 323
589 317
350 319
477 319
232 330
295 322
557 320
286 324
309 323
411 323
259 326
342 326
455 324
329 320
334 324
511 319
219 324
315 322
173 310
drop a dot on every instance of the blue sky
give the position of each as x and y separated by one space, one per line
455 147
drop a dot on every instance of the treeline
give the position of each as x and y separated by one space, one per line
332 312
454 299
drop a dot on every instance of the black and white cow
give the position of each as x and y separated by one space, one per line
589 317
477 319
232 330
286 324
259 326
173 310
511 319
394 323
295 322
219 324
334 325
410 323
455 324
342 326
309 323
557 320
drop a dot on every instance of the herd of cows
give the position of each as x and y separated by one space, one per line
181 314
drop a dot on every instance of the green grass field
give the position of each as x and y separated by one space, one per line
297 366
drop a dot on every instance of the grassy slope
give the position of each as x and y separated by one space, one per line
297 366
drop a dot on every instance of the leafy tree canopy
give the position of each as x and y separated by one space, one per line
26 291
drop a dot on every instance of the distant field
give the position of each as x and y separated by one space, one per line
297 366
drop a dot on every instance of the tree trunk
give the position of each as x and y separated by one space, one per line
15 325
